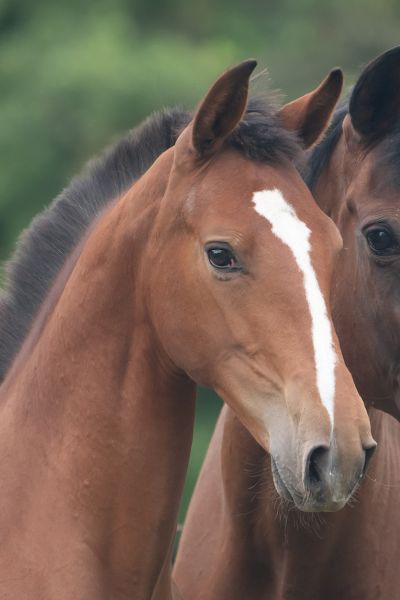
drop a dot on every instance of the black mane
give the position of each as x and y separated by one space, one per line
386 156
320 155
53 234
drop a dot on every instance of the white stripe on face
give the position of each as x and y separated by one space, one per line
296 235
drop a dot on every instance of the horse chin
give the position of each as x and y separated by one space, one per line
281 487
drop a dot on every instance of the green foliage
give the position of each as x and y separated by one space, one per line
207 410
75 75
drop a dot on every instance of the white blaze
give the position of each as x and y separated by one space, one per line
296 235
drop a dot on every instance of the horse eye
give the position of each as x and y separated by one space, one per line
223 259
382 241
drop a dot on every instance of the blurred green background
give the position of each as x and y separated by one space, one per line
76 74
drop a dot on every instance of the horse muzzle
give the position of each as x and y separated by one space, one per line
325 482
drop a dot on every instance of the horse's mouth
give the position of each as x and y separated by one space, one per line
281 487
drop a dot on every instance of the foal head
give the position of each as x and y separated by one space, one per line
238 281
355 178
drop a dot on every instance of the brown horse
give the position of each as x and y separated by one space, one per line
238 542
167 289
354 175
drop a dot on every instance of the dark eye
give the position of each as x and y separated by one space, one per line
382 241
223 259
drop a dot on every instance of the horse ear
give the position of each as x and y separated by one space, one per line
375 101
310 114
222 108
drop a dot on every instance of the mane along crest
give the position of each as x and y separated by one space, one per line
387 155
319 157
44 247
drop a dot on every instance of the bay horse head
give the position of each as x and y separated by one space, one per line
354 176
238 275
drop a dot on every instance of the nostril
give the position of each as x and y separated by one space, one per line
368 455
313 472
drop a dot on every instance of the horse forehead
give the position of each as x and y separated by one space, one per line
237 218
380 180
373 190
232 179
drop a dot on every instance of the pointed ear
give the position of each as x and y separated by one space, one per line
375 101
221 109
310 114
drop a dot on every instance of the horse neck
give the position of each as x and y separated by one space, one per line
99 407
